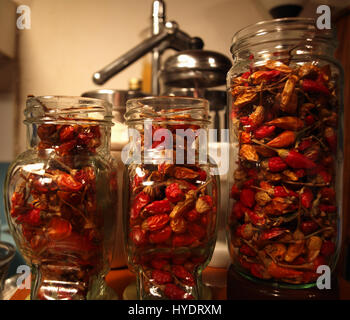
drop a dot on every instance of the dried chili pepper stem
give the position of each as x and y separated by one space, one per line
89 222
63 165
308 184
320 141
203 186
299 266
308 236
250 246
318 231
299 209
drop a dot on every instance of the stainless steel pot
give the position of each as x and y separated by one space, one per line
195 69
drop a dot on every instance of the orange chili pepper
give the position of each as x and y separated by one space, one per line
287 123
279 272
284 139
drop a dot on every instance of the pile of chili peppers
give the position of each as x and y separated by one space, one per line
283 221
56 211
171 225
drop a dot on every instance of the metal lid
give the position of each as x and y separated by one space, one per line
195 68
217 98
117 98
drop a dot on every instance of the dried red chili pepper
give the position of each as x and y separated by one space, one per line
249 183
257 270
287 123
246 250
162 277
314 86
59 229
247 197
67 133
264 132
245 137
327 208
246 75
328 248
245 231
158 207
279 191
331 138
285 273
174 193
32 218
141 200
197 231
267 76
184 173
192 215
238 210
272 233
181 273
308 227
156 222
309 120
256 219
159 263
234 192
183 240
138 236
305 144
306 198
327 194
276 164
66 182
295 159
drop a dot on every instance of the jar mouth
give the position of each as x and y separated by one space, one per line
64 109
299 29
167 109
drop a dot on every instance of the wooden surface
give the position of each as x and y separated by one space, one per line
215 278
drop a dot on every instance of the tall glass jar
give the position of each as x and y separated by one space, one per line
286 130
60 197
171 204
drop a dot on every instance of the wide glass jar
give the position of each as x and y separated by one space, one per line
171 196
60 197
286 131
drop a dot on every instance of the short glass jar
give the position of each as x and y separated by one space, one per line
286 130
60 197
171 204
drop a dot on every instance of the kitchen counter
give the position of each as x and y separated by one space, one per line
215 278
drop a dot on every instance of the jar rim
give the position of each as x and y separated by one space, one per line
262 28
153 107
56 108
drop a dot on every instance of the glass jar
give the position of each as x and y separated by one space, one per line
286 130
60 197
171 207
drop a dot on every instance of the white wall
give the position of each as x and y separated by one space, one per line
71 39
6 126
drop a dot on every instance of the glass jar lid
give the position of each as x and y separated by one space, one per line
68 108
